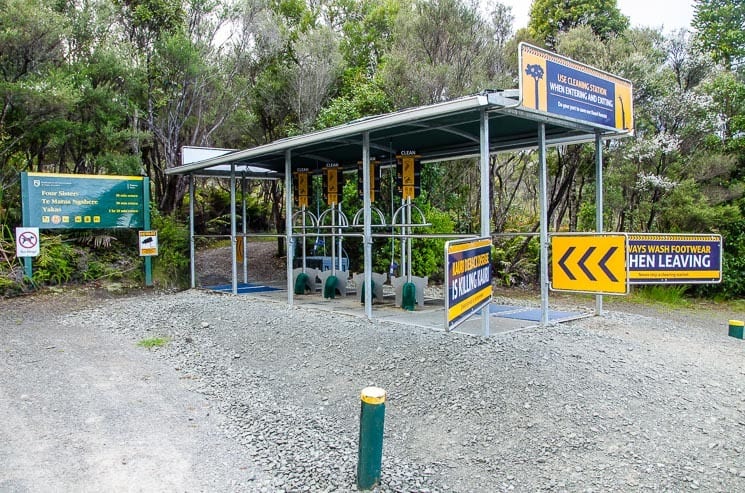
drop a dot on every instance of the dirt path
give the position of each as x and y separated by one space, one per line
641 399
86 410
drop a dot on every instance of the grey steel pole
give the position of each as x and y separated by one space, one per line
598 204
288 223
544 222
409 243
244 243
233 232
367 220
192 240
485 216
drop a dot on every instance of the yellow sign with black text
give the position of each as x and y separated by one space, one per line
589 263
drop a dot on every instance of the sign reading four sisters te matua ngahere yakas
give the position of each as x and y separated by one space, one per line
65 201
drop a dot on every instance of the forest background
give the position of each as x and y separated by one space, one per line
119 86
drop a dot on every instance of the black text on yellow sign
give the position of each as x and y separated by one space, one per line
302 188
148 243
331 183
589 263
408 174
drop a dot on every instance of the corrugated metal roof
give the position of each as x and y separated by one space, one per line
437 132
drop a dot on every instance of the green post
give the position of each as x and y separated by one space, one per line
146 227
370 457
27 267
28 262
736 328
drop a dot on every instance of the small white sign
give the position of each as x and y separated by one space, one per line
148 243
27 242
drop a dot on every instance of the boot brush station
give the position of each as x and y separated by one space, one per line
559 102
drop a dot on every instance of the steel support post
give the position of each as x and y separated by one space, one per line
544 222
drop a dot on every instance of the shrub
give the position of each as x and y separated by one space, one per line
171 266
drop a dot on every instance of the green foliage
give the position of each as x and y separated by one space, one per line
364 99
171 266
428 254
154 342
548 18
673 295
718 25
56 262
515 261
733 264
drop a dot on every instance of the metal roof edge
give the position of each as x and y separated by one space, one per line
368 124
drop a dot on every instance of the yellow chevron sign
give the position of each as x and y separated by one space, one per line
589 263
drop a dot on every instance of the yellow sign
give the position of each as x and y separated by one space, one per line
303 191
148 243
408 162
555 84
589 263
332 187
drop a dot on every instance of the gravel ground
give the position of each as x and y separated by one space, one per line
626 402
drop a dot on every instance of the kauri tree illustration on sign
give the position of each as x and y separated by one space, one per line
535 71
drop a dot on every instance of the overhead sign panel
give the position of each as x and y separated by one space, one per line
62 201
561 86
675 259
589 263
467 279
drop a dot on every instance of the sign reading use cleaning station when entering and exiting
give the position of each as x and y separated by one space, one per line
674 258
60 201
564 87
467 279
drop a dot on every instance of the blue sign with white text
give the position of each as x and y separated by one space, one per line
580 95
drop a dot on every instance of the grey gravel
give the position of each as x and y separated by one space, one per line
623 402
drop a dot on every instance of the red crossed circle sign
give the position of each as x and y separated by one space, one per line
27 239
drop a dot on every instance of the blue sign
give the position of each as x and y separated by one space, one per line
674 259
580 95
561 86
467 279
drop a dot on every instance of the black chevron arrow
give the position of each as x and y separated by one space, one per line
604 260
582 261
562 264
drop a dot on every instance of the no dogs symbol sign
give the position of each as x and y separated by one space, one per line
27 242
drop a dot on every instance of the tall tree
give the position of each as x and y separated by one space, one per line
316 68
720 29
548 18
443 49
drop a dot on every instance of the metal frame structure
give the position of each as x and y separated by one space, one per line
472 126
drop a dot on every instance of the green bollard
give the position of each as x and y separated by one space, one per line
736 328
370 457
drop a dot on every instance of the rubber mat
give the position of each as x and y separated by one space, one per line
243 288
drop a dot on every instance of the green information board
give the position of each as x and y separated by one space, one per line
61 201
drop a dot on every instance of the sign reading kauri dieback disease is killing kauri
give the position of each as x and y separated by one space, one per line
674 258
561 86
63 201
467 279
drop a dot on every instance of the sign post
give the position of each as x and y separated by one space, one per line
468 279
561 86
27 246
589 263
65 201
675 258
